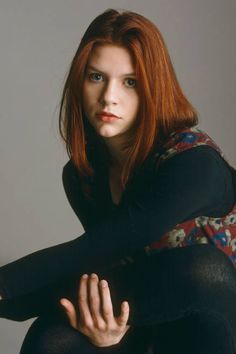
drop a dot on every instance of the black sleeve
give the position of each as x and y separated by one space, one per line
189 184
72 187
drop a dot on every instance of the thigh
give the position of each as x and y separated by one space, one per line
53 335
198 333
169 285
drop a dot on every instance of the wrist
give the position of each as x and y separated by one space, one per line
109 343
106 344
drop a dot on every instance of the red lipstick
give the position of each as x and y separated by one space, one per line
107 116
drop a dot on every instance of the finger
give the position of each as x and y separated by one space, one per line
94 298
123 318
85 314
107 308
70 312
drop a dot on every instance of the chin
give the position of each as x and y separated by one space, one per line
107 134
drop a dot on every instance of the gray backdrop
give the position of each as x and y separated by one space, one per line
38 40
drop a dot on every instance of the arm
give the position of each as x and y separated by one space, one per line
196 177
72 186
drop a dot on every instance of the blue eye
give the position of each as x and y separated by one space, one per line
129 82
96 77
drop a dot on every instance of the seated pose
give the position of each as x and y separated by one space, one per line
154 270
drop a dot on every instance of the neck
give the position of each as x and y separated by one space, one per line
118 156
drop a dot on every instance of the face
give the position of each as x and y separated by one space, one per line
110 87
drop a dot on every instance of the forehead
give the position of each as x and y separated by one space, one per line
111 59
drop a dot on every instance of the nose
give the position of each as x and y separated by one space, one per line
109 94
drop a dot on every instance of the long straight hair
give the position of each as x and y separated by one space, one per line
163 106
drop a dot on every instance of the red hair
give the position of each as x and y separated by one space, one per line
163 108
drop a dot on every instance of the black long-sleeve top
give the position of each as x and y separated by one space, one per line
192 183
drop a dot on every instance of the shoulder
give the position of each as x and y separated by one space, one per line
70 177
192 149
191 161
75 185
70 172
183 140
69 168
202 159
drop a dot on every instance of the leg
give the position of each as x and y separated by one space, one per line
53 335
178 283
173 285
199 333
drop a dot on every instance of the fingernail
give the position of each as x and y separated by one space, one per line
85 276
103 283
93 275
62 303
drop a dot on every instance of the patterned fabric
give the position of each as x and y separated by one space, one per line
220 232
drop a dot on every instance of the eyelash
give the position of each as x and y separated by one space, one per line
92 75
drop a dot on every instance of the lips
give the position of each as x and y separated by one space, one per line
107 114
107 117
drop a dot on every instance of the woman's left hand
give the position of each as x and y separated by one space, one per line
96 319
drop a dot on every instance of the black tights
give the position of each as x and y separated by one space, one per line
198 333
182 301
50 336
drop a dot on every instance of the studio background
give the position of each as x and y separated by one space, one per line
38 41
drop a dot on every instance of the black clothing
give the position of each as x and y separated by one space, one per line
151 205
181 302
50 335
194 281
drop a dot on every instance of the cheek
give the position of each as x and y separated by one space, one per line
134 103
90 95
87 99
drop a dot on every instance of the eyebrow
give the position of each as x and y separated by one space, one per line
90 67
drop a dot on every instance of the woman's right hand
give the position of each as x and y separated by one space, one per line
96 319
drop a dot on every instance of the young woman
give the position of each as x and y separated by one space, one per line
155 266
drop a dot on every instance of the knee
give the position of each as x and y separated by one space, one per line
48 337
198 270
210 266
